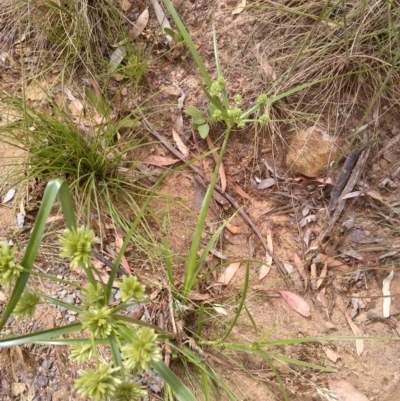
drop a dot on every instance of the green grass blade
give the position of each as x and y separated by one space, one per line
218 65
73 341
186 37
140 323
53 189
62 304
293 361
181 392
190 273
116 353
40 335
243 298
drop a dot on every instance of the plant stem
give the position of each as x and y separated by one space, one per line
190 275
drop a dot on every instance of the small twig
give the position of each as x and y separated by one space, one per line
352 181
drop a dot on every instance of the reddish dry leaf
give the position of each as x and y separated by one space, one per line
296 302
229 272
181 146
241 192
331 355
265 269
140 24
159 160
346 391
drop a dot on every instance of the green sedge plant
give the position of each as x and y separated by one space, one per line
134 344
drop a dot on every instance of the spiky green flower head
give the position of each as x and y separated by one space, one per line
217 115
98 384
26 306
9 270
217 86
238 99
100 322
142 351
129 391
131 288
235 116
264 119
77 245
262 99
93 296
81 352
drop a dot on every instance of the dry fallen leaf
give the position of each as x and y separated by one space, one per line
159 160
116 57
322 275
355 329
232 229
296 302
267 68
331 355
332 262
140 24
241 192
229 272
239 8
119 240
181 146
265 269
18 388
195 296
75 106
8 196
386 293
300 267
346 391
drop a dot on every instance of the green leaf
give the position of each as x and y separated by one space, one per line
181 392
40 335
199 121
194 112
170 32
203 130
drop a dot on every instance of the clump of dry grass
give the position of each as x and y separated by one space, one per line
350 49
78 32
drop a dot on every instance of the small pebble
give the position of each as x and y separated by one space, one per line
71 319
69 300
63 293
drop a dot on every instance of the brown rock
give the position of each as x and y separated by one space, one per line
310 151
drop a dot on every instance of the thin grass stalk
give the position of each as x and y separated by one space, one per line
190 271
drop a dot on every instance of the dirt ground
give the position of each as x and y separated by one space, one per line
361 248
